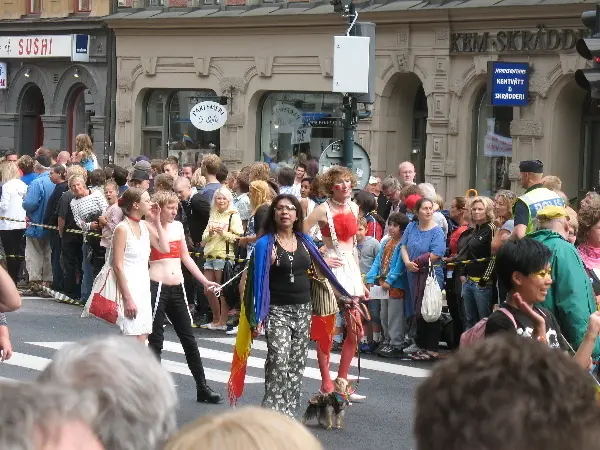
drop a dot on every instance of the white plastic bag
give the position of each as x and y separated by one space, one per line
431 307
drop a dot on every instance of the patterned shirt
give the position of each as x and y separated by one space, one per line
88 209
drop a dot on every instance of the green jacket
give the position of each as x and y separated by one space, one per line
570 298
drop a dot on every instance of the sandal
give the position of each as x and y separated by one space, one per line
424 355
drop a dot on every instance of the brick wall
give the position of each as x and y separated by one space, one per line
177 3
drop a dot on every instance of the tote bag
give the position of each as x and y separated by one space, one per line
105 299
431 307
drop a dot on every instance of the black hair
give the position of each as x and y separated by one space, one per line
286 176
222 173
301 166
97 177
190 165
399 219
120 176
523 255
309 179
269 225
10 152
368 205
60 170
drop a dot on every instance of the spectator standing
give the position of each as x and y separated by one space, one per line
242 201
171 168
109 221
63 158
84 153
11 155
210 166
299 175
406 173
26 165
312 165
187 170
37 248
222 175
58 175
120 176
11 206
367 208
589 244
392 189
285 178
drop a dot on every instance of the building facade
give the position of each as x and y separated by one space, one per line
273 62
55 86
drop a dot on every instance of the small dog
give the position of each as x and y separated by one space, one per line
327 407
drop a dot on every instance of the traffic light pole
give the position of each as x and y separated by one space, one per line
350 106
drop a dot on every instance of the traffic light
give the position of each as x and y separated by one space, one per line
589 79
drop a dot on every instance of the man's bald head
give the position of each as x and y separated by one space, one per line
183 188
406 173
63 158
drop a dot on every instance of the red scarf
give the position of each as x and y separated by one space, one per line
590 256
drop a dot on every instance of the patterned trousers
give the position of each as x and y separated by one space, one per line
287 334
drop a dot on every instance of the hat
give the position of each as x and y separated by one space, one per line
533 166
411 201
138 158
144 165
43 161
551 213
140 175
373 180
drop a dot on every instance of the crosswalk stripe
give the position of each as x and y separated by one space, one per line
38 363
378 366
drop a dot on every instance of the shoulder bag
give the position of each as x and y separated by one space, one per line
431 307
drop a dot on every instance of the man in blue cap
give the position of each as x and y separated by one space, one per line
536 197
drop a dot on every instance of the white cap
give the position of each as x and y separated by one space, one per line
373 180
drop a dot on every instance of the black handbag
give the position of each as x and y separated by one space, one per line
232 270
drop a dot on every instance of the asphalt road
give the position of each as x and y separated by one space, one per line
383 421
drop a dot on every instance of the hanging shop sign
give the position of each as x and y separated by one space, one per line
3 75
208 116
515 41
508 83
72 46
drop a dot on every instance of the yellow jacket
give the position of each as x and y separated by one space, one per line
216 245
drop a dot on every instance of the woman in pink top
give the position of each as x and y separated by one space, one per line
113 216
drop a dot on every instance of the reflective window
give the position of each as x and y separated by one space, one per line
492 147
298 122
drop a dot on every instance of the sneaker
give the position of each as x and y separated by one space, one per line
385 348
364 347
356 398
373 346
232 332
218 327
413 348
391 352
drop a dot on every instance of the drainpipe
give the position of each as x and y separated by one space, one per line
111 91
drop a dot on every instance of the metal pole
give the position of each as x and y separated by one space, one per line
349 107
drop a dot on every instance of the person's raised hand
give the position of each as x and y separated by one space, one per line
539 323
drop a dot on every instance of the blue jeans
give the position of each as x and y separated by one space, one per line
477 302
88 272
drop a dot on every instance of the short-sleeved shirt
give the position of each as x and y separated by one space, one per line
65 212
499 322
209 191
418 242
509 226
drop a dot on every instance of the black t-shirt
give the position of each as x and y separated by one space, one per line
283 291
65 212
499 322
51 216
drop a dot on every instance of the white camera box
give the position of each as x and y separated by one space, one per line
351 64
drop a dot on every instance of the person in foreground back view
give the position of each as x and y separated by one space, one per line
507 392
250 428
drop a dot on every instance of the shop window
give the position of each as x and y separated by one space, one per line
83 5
298 122
34 6
168 131
492 147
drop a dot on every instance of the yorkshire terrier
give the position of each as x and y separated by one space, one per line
329 408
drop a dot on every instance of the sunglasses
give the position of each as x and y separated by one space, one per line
288 208
543 273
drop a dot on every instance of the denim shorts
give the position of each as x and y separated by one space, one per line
214 264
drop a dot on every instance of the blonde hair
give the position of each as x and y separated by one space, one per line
259 194
83 143
8 171
225 192
259 171
164 198
488 205
74 179
249 428
198 180
552 182
77 170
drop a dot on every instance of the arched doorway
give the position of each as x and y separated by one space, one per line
419 134
32 128
77 122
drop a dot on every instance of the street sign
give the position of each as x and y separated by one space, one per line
361 164
208 116
508 83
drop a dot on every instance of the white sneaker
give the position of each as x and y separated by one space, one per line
232 332
356 397
219 327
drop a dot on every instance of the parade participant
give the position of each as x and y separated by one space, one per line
338 220
223 229
536 196
168 293
130 256
278 292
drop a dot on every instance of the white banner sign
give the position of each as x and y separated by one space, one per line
302 136
45 46
497 146
3 76
208 116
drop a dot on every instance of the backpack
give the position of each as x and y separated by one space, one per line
477 333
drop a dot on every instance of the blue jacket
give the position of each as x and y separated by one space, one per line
396 276
36 202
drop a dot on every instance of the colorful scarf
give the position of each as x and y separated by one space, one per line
590 256
257 301
386 258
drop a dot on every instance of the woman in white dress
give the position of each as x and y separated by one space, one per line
130 258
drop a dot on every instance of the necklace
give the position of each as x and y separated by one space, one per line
133 219
290 255
335 202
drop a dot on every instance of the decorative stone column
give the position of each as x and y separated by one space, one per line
9 130
232 137
55 131
100 147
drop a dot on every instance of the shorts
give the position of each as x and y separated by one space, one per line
214 264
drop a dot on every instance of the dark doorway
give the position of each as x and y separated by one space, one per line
419 135
32 128
590 154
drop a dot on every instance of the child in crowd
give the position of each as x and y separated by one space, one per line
368 248
388 271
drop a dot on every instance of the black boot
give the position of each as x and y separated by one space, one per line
204 394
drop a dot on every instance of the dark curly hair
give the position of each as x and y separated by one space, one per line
588 216
269 225
333 176
507 392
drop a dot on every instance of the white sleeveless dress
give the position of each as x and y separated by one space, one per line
135 266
